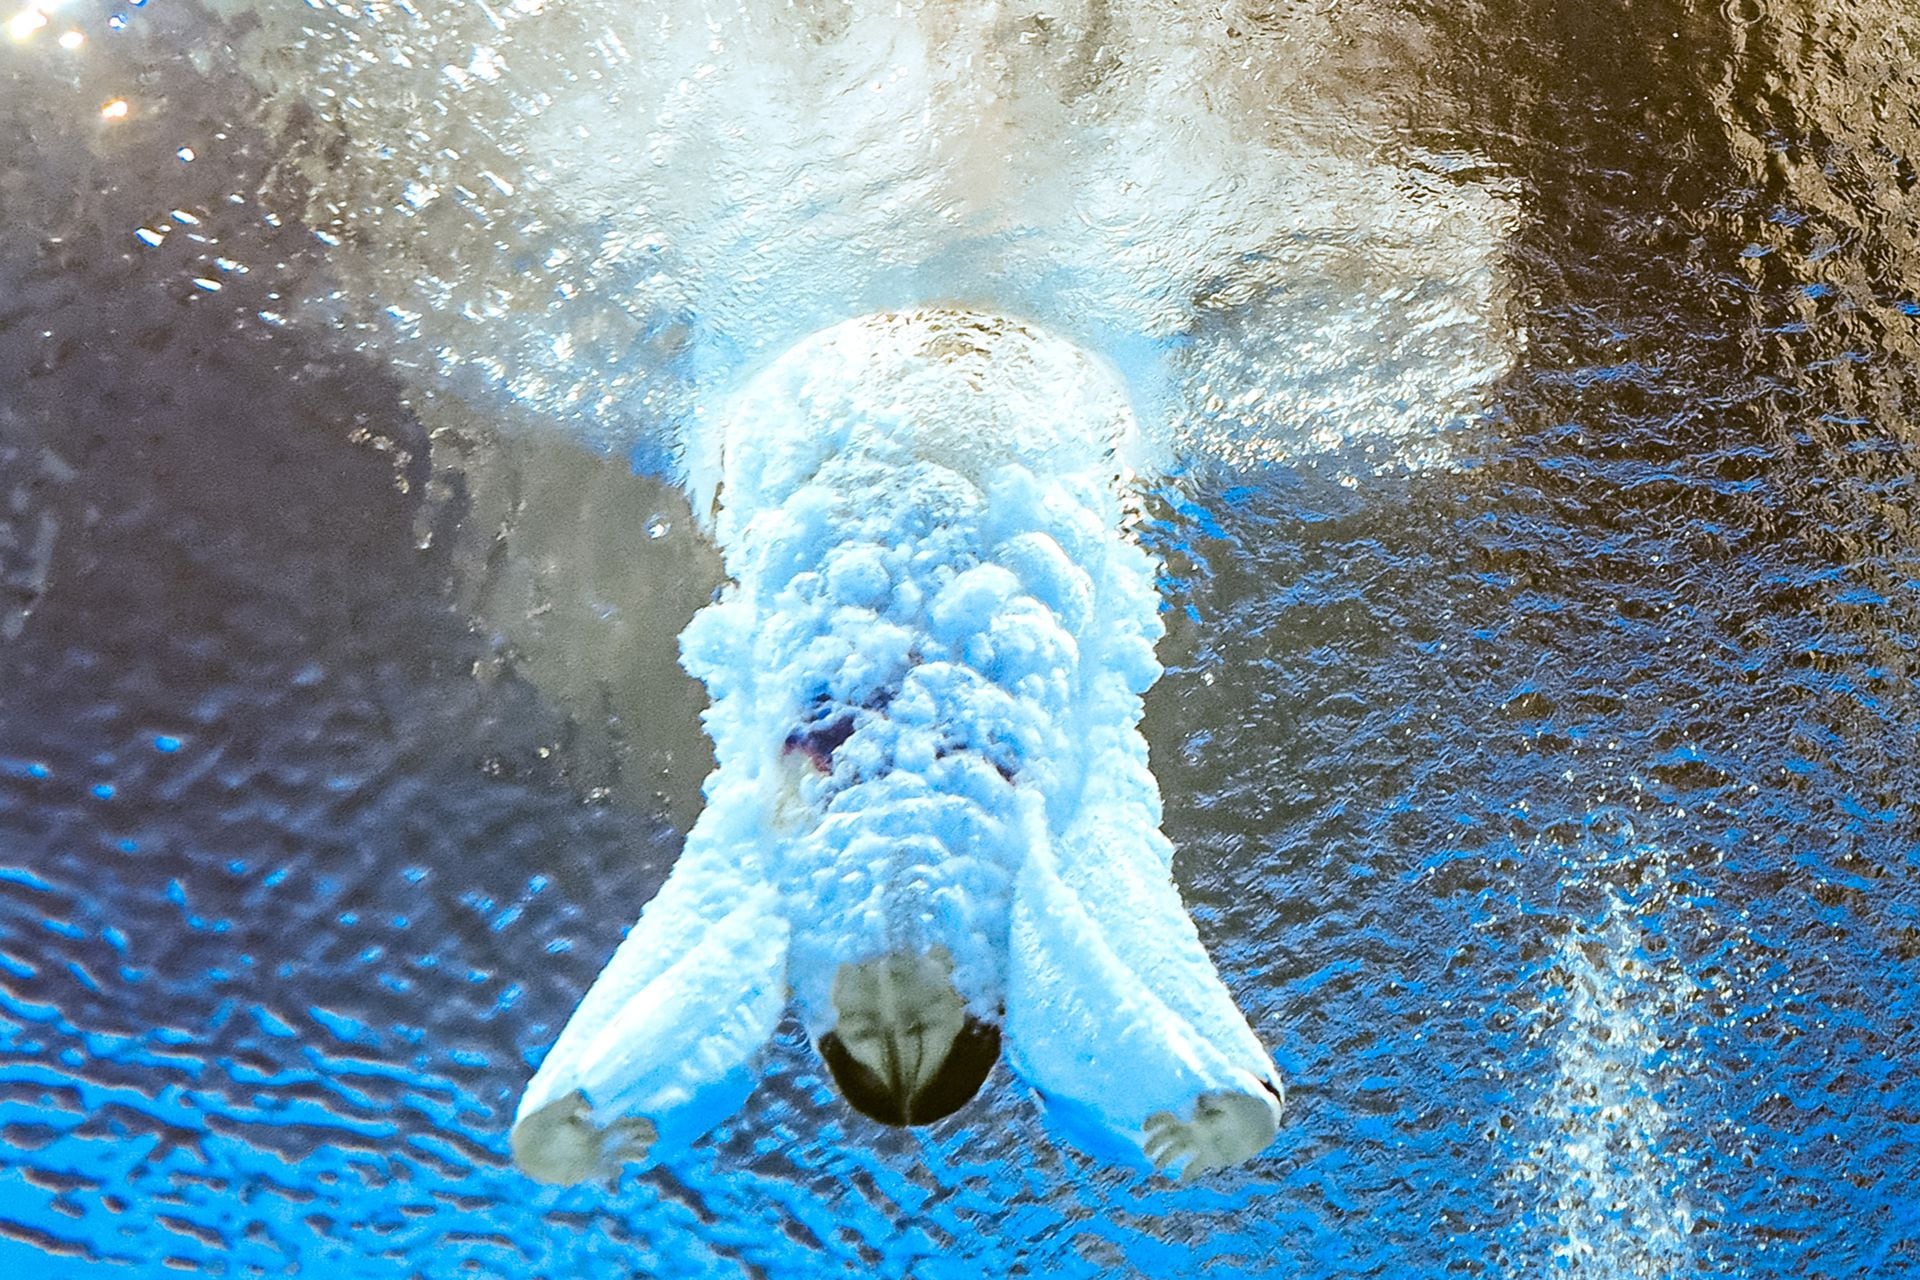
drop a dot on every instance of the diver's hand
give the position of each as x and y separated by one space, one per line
1228 1126
561 1145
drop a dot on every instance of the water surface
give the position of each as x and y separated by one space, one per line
1544 796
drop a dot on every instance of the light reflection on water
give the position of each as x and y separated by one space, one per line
1548 813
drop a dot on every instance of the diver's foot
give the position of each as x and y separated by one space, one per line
1228 1127
560 1144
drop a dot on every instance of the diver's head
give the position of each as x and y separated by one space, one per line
903 1049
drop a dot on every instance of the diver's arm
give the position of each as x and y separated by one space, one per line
663 1043
1117 1065
1117 865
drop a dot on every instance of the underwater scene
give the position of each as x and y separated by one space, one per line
1257 638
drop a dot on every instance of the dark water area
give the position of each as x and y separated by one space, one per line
1549 812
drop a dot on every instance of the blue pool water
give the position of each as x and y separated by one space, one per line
1547 808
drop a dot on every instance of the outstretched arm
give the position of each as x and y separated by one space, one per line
1117 865
662 1045
1118 1064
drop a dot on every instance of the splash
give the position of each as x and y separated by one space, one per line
1605 1171
609 215
577 229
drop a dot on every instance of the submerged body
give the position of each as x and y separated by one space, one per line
932 824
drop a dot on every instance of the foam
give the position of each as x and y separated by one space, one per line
926 677
611 214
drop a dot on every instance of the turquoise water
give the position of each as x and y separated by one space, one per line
1548 811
